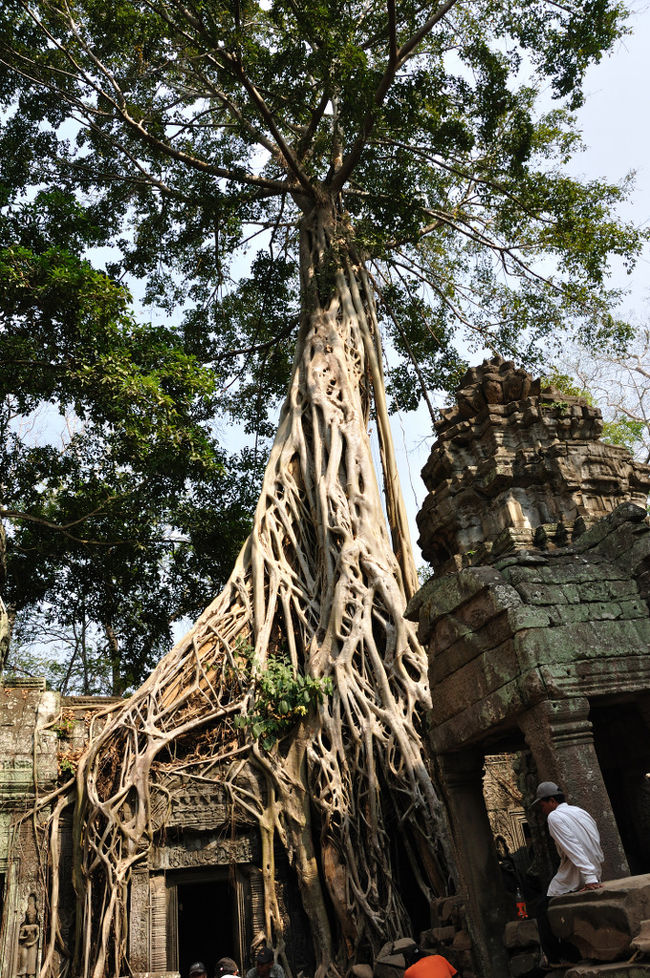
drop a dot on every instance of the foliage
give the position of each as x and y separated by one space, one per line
423 125
624 431
282 697
104 505
616 380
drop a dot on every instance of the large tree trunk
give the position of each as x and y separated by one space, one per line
317 581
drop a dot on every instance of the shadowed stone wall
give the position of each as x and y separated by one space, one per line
536 620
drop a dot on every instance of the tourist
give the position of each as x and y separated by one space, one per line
226 968
198 970
265 965
421 964
577 840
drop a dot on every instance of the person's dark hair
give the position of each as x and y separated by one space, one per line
413 954
265 955
559 798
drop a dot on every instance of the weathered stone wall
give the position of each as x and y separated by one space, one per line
28 758
536 621
534 625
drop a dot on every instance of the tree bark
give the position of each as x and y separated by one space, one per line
318 582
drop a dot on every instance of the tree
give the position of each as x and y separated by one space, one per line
383 155
100 517
618 381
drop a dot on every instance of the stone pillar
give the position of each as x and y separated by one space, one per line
560 737
158 922
139 920
487 905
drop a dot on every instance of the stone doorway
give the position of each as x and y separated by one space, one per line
622 740
205 919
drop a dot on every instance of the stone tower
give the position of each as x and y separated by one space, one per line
515 464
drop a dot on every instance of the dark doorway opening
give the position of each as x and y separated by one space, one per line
623 748
207 923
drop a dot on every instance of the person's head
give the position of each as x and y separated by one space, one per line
198 970
413 954
225 966
264 961
548 797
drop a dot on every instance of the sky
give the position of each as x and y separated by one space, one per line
615 126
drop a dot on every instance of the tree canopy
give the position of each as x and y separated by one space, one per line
190 131
400 173
102 509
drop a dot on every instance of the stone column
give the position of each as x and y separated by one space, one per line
139 920
487 905
158 923
560 737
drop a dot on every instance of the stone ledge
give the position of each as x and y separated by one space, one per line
618 969
602 923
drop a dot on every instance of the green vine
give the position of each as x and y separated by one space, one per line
282 698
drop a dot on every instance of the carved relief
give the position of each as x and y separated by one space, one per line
28 940
206 852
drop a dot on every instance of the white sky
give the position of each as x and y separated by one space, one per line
616 131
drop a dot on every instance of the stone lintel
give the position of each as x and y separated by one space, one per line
205 851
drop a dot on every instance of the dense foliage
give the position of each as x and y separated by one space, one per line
190 131
110 472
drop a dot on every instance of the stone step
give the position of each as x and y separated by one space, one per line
614 969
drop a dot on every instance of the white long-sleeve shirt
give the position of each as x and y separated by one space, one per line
578 842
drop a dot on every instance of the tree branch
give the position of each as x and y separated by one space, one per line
404 53
14 514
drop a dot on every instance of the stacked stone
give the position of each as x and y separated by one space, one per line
609 926
536 624
521 939
511 457
447 936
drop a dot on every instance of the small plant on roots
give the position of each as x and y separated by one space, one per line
282 698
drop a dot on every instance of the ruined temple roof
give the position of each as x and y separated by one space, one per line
516 463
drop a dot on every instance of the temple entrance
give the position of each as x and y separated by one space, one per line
623 745
204 919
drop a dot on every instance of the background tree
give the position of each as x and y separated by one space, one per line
618 382
102 508
380 155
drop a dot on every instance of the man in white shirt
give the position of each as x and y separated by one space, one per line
577 840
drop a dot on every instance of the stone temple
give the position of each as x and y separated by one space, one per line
537 626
